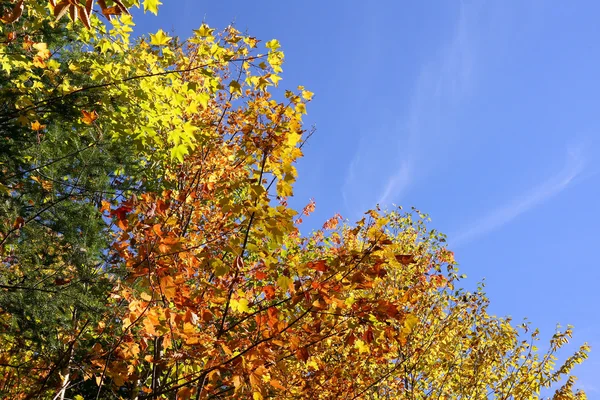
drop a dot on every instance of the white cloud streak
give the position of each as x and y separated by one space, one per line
501 216
407 145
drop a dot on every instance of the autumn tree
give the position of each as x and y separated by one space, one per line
57 166
148 250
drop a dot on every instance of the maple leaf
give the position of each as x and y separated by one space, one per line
269 292
36 126
152 6
302 354
169 244
160 38
14 14
320 265
208 277
405 259
184 393
168 287
19 222
89 117
273 45
121 214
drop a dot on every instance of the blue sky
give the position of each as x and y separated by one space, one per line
482 114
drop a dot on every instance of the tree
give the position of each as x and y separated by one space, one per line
55 173
148 250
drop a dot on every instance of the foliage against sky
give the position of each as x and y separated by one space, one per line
148 249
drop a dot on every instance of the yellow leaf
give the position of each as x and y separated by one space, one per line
160 38
204 31
361 346
240 305
152 6
293 139
145 296
42 50
306 95
284 188
273 45
410 322
275 79
220 267
203 98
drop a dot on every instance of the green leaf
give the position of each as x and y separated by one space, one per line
178 152
220 267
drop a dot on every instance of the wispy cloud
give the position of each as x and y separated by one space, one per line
573 168
402 147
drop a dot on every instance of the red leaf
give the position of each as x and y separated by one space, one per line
19 222
121 212
14 14
61 281
405 259
302 354
260 275
318 265
269 292
368 336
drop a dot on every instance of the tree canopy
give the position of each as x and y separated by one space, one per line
148 250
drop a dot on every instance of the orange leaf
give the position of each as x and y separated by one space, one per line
36 126
260 275
276 384
184 393
302 354
105 206
89 117
169 244
368 336
167 284
157 229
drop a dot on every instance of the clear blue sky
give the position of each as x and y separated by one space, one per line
483 114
